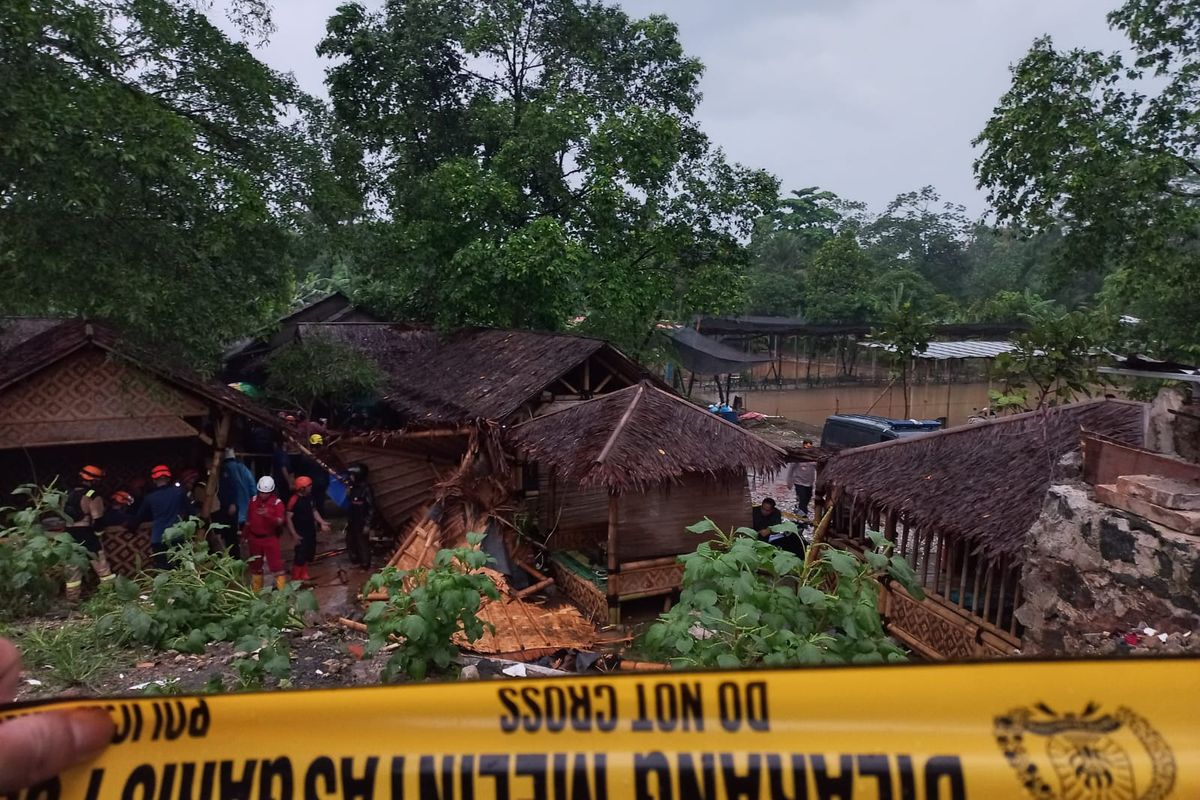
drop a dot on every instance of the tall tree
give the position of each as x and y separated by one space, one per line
1107 147
906 330
149 172
921 232
838 284
783 245
534 160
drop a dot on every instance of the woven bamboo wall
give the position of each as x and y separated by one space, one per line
402 481
89 397
651 524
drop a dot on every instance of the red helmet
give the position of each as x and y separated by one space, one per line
90 473
161 471
122 498
303 482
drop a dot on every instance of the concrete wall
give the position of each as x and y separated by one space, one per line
929 401
1090 568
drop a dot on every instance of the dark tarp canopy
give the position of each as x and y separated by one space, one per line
707 356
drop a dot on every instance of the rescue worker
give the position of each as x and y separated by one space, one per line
308 467
234 491
84 507
265 520
303 519
118 514
166 505
360 517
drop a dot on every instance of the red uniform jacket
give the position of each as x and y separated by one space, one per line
264 517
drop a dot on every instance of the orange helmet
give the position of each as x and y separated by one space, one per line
122 498
90 473
161 471
303 482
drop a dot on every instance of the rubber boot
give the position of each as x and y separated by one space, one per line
304 576
296 572
280 582
103 571
256 582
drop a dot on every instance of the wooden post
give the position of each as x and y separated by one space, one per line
214 470
614 605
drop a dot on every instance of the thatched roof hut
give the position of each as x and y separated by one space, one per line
983 482
480 373
640 437
958 505
620 477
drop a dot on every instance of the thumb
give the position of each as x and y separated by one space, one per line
39 746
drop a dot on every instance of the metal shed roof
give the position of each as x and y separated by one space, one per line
942 351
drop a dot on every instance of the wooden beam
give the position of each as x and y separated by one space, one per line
214 471
614 609
600 386
570 389
587 375
620 425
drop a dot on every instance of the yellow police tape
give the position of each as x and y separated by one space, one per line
1112 730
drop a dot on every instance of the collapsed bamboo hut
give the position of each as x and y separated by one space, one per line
957 504
619 479
447 396
75 392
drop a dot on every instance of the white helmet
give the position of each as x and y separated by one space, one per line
266 484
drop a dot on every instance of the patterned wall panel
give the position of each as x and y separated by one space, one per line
90 386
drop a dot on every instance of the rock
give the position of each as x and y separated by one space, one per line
469 673
180 658
145 664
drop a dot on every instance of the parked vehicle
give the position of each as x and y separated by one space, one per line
843 431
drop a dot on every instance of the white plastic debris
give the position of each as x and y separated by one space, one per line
1149 631
33 682
1162 637
319 672
515 671
137 687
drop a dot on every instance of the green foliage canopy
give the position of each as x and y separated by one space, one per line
527 161
149 171
1107 147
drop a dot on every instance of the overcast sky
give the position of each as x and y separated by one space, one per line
867 98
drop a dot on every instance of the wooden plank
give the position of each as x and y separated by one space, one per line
614 613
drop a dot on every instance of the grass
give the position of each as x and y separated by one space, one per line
74 651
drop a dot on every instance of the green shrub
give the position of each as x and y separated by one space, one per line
745 602
427 607
204 598
32 558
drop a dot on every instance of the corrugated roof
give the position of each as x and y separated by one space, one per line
943 351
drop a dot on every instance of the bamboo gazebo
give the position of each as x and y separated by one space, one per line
620 478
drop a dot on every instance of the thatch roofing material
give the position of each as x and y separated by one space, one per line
984 482
69 336
639 437
470 374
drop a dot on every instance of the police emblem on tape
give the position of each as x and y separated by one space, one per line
1111 756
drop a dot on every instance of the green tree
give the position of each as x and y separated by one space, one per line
920 232
1053 361
152 171
534 160
837 285
1106 146
906 331
322 370
783 245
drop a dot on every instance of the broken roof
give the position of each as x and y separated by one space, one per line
985 482
66 337
639 437
477 373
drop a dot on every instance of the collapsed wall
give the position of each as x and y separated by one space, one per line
1094 573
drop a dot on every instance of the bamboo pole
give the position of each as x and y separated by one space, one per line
214 471
614 609
823 527
534 589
